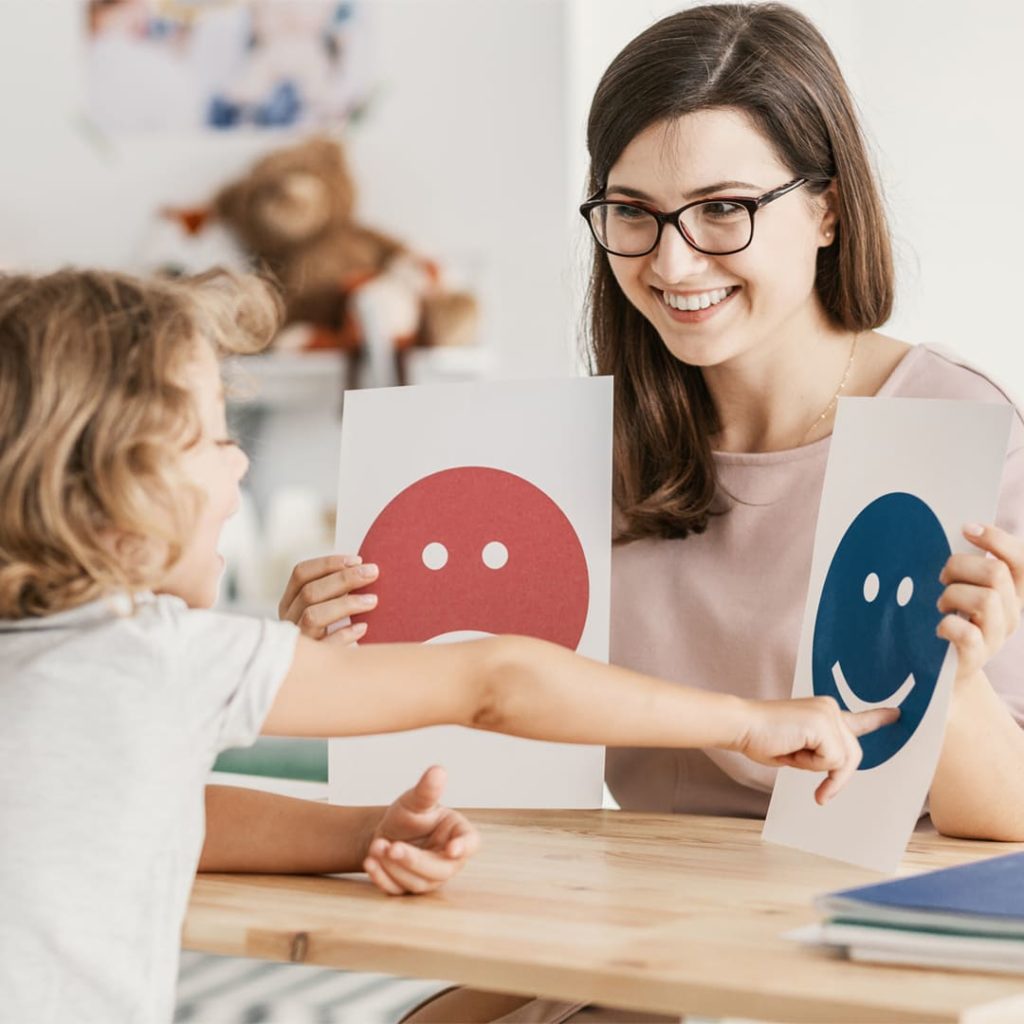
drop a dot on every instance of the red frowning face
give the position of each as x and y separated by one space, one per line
475 549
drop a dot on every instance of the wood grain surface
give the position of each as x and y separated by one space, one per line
668 913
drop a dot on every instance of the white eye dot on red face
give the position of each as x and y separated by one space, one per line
871 586
494 554
435 555
905 591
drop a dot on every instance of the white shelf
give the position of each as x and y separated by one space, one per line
315 379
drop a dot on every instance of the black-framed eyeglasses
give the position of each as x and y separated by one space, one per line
716 227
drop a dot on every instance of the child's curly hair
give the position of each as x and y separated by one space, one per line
94 413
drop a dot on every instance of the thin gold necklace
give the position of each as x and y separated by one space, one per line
835 397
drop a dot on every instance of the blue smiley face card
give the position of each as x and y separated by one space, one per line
903 475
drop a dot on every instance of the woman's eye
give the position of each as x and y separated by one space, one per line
627 213
722 210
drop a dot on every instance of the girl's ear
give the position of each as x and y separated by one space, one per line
829 215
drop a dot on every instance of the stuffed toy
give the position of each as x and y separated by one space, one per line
346 285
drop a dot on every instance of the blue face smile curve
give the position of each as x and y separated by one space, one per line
874 635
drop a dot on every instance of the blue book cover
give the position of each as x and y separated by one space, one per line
987 895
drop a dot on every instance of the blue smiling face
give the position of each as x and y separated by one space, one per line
874 636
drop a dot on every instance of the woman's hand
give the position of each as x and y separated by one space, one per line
810 733
320 593
981 604
419 844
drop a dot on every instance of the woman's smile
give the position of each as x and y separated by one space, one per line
689 307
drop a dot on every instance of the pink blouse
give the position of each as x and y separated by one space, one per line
723 609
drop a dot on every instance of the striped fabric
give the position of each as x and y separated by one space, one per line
226 990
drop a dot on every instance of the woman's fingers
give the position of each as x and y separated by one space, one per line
1006 547
346 635
330 586
313 619
968 640
985 607
990 574
327 599
309 570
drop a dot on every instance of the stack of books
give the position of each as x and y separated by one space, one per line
969 917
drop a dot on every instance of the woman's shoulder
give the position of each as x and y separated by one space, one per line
933 371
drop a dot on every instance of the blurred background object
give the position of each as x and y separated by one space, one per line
223 64
347 286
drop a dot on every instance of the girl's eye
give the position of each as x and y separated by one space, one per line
226 442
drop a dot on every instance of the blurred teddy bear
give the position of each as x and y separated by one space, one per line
346 285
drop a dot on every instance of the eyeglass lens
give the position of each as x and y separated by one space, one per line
715 227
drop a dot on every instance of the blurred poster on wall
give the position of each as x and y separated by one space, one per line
222 65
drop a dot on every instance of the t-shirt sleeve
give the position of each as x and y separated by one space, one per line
228 669
1006 670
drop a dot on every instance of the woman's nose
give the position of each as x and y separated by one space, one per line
675 259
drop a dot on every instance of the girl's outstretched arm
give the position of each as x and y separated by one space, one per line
538 690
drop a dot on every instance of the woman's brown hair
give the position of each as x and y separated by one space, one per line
770 62
95 411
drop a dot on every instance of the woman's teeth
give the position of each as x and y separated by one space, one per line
694 302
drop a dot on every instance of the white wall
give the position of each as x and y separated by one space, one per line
940 85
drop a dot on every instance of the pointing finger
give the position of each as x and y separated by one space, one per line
868 721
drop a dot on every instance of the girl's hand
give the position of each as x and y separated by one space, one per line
981 604
419 844
811 733
319 593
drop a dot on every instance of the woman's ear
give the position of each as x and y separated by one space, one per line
829 222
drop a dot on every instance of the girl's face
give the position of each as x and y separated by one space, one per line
768 288
215 465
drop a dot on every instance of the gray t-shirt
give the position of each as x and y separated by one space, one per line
109 723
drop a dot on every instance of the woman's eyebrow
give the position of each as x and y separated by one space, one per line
705 190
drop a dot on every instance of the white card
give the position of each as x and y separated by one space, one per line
487 507
903 476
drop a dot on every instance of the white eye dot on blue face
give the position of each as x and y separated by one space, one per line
494 554
905 591
435 556
871 587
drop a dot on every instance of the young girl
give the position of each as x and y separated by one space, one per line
118 688
741 269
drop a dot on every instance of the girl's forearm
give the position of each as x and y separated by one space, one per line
542 691
255 831
502 684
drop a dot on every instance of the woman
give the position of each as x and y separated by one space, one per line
742 267
732 327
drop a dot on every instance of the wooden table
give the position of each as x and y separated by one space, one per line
666 913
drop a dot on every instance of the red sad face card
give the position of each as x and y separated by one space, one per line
487 508
474 550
